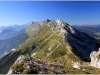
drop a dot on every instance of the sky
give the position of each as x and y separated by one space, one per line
72 12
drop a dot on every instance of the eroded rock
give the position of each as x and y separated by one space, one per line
95 58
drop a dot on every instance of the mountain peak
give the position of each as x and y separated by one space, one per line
46 21
59 26
32 22
58 21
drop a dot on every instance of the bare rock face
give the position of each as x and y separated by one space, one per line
20 58
95 60
80 41
63 25
59 25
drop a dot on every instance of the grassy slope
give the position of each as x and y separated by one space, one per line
44 39
32 29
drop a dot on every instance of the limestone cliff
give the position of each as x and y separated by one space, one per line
95 58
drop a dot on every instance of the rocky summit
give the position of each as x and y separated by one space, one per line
82 42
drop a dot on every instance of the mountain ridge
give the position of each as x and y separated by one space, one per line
54 41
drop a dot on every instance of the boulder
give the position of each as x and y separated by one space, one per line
95 59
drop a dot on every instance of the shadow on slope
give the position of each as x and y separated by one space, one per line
82 44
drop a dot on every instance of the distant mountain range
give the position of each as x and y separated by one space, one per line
92 30
7 32
14 38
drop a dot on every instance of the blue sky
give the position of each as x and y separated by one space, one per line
74 13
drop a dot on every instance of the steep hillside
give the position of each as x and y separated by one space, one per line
55 41
7 45
33 28
10 44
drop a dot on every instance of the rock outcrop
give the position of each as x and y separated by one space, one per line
95 58
80 41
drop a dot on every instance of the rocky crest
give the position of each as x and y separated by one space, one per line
82 42
59 25
95 60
